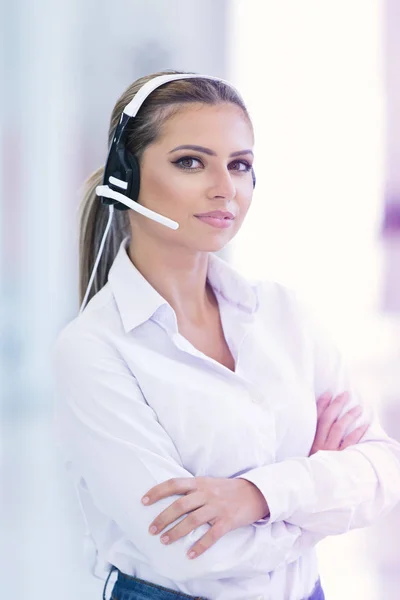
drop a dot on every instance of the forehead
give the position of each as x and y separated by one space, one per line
208 125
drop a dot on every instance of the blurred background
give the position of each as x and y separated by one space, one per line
322 83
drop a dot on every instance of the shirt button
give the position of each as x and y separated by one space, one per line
257 399
259 598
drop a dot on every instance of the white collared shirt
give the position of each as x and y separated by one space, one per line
137 404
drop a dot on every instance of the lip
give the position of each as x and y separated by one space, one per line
217 214
217 218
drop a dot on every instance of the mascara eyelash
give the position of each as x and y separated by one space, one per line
247 165
176 162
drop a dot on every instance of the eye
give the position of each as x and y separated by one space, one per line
187 162
240 165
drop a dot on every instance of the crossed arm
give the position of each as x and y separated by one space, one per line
227 504
307 497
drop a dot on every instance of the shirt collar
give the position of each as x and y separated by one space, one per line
137 300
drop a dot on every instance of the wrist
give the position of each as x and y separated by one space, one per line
263 508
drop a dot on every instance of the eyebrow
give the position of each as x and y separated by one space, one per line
208 151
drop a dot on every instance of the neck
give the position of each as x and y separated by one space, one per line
178 276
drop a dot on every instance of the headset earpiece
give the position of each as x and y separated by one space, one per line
122 173
131 174
253 175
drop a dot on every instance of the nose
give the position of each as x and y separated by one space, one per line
222 185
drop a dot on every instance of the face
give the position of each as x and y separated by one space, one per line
200 163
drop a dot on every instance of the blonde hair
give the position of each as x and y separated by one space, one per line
144 129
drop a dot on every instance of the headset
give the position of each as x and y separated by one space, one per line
121 182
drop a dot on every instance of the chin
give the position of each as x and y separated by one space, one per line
214 245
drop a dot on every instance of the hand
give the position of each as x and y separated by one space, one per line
330 429
225 504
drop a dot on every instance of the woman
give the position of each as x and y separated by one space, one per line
215 397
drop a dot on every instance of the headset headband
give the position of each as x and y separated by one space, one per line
132 108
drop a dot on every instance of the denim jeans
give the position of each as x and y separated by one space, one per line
317 593
133 588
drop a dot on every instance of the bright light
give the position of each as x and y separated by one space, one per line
311 74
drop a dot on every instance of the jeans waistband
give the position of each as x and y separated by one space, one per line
127 587
133 588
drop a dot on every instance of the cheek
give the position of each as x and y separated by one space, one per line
167 188
244 200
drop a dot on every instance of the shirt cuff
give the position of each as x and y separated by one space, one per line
285 486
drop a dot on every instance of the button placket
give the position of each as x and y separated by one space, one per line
255 395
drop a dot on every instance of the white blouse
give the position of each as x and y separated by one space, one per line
137 404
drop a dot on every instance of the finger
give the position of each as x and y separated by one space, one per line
190 523
326 418
177 485
355 436
329 416
323 402
336 406
217 531
338 429
180 507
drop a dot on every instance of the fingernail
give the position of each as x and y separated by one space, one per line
145 500
153 529
192 554
325 397
165 539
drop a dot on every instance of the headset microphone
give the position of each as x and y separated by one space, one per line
105 191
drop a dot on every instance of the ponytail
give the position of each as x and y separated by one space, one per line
93 217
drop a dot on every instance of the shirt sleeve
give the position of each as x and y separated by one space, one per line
332 492
107 431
